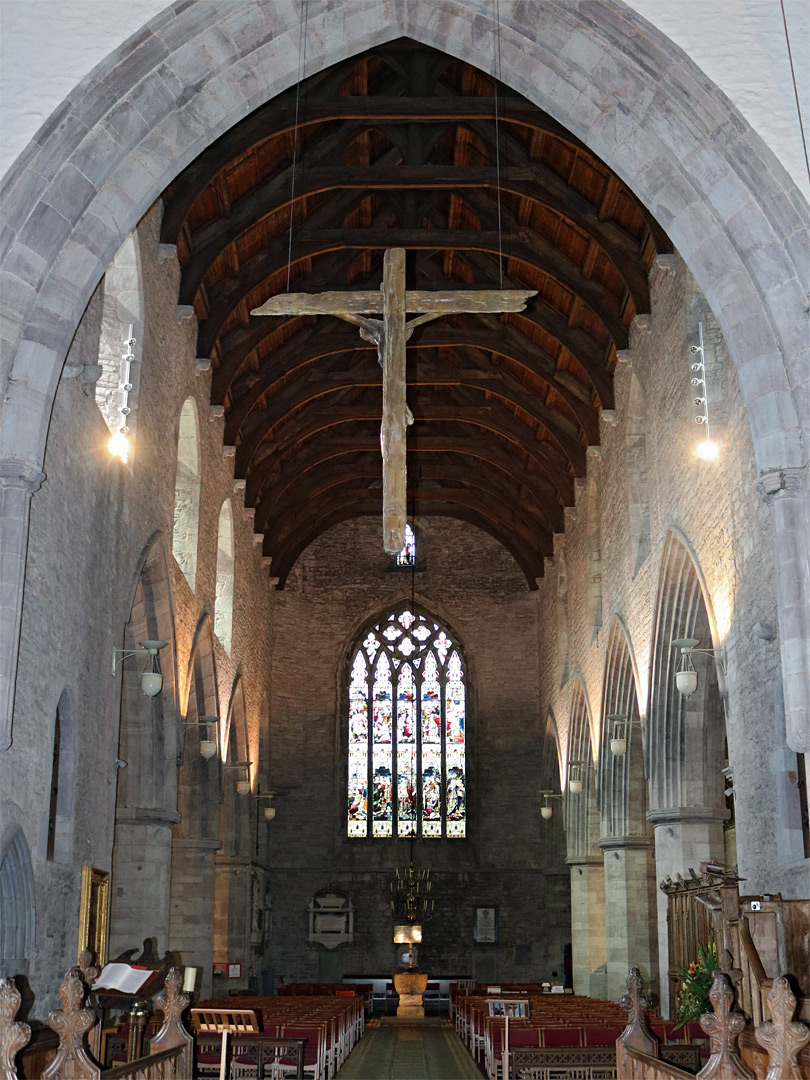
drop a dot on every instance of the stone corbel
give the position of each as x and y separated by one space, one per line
18 482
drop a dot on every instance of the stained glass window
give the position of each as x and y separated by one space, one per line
407 731
407 557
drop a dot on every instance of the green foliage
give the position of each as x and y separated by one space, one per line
696 982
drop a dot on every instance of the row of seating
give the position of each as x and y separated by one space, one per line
330 1026
363 990
548 1012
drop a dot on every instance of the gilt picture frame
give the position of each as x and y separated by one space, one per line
93 907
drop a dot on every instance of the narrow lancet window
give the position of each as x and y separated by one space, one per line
407 732
407 557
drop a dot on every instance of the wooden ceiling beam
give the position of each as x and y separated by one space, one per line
228 294
496 420
268 480
494 382
532 497
279 117
526 180
237 346
476 492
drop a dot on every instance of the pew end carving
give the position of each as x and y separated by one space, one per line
71 1023
637 1036
783 1037
724 1027
14 1035
172 1002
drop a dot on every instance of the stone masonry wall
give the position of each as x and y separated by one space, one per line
715 508
90 524
474 586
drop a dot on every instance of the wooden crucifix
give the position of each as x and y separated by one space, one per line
390 335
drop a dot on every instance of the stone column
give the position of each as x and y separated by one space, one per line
631 915
191 922
685 836
18 482
233 916
141 875
786 493
587 919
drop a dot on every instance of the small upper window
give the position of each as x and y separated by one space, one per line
407 557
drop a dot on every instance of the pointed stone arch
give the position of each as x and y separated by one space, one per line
584 855
234 860
408 766
551 774
582 817
623 797
196 837
686 737
627 836
148 740
738 220
17 905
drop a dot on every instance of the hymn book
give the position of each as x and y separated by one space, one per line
122 977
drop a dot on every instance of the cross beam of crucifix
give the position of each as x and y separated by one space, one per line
390 334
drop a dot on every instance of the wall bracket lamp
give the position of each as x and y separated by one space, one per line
686 679
208 745
269 810
151 678
242 786
546 808
575 781
618 740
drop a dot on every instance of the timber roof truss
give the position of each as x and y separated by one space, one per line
400 147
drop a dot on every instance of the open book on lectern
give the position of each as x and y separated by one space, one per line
122 977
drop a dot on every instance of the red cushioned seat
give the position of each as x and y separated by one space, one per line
562 1036
602 1036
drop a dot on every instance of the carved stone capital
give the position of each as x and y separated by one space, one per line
781 482
626 843
676 815
21 475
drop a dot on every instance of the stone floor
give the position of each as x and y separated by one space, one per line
416 1050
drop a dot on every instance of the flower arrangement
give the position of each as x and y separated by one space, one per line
696 982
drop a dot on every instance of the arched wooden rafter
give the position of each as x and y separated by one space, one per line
397 148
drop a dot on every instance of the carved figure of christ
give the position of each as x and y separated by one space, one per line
390 334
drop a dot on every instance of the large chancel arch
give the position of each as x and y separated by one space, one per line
723 208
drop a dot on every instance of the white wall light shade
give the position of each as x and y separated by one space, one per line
686 682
